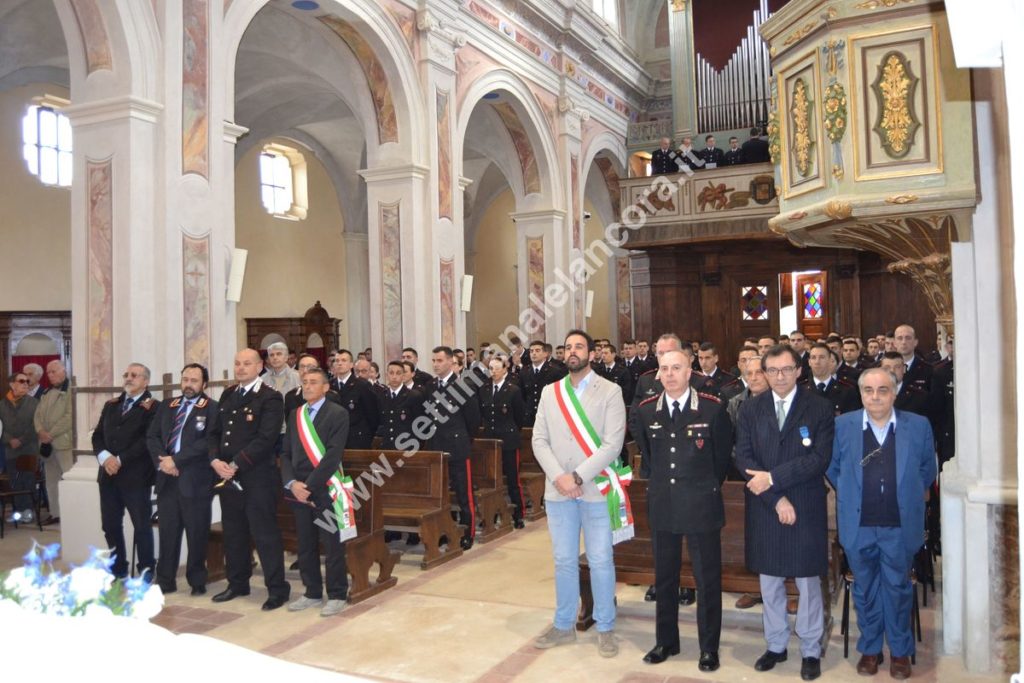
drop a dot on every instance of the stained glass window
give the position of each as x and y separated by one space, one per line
754 302
812 300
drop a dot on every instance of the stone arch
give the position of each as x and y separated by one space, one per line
613 148
533 124
389 49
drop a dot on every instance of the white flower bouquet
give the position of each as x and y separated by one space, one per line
87 590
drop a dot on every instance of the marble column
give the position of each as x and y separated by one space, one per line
540 253
357 279
569 248
684 97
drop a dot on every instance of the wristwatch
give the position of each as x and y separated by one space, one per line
576 477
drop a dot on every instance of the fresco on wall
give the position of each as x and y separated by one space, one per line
535 278
194 115
522 145
94 35
611 181
448 301
376 77
444 157
100 283
195 258
391 278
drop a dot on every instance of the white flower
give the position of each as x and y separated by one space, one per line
150 604
19 582
89 583
95 610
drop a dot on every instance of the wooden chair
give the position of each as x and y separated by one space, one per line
24 464
844 625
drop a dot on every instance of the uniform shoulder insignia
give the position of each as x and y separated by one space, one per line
148 403
175 402
648 400
846 383
710 397
201 403
233 387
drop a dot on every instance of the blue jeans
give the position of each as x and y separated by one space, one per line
565 519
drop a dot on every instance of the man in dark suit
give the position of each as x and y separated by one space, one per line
358 399
456 418
734 155
314 442
181 439
712 156
126 470
614 371
534 377
784 445
714 378
293 399
943 384
911 396
631 362
398 406
664 159
755 150
851 367
685 442
503 413
841 394
882 466
251 415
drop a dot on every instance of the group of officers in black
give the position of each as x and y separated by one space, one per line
669 159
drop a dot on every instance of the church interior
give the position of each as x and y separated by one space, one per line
473 171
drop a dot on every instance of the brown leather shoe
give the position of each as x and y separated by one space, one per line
868 664
746 601
791 605
899 668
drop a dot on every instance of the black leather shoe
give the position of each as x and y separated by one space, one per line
651 595
518 524
708 661
687 596
273 603
228 594
810 668
198 590
659 653
167 589
769 659
466 542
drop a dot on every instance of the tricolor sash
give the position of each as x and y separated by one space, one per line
614 479
339 486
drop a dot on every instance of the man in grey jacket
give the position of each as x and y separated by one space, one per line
17 409
53 426
580 426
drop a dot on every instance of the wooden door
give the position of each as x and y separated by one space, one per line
812 304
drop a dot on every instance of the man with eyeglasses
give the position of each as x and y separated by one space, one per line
126 470
783 446
17 411
883 464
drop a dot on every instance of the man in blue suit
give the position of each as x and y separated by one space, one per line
883 464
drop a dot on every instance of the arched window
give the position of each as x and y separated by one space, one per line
609 11
283 182
46 142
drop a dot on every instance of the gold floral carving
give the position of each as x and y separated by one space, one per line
918 247
894 87
678 5
875 4
800 117
838 172
901 199
799 33
838 210
774 138
835 112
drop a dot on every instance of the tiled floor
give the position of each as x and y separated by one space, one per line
473 620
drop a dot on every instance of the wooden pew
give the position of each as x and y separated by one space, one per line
634 559
532 477
492 507
414 497
368 547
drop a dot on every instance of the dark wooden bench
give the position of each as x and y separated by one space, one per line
634 559
414 498
532 477
493 510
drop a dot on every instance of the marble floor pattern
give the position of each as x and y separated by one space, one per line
473 619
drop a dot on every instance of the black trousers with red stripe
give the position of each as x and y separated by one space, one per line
510 468
461 476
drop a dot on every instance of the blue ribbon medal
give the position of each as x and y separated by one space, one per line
805 436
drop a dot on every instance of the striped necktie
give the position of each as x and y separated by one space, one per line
179 422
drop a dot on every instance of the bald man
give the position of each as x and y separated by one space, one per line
249 482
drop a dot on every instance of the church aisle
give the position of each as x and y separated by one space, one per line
474 619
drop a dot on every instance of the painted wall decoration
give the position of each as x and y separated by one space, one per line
623 296
535 278
448 301
801 127
195 256
444 156
194 98
100 284
405 19
94 34
611 181
523 147
376 77
391 278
